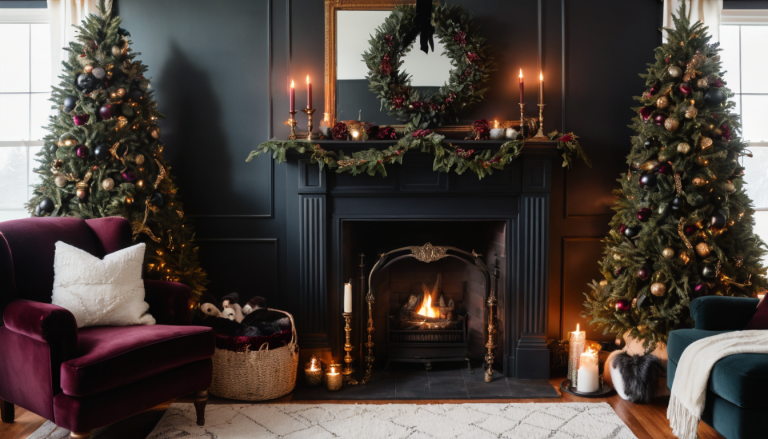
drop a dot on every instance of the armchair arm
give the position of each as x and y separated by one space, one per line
168 302
43 322
718 313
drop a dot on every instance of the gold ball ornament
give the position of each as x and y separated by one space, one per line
155 132
706 143
668 253
60 180
139 159
703 249
650 165
121 91
107 184
675 71
684 257
671 124
88 68
658 289
662 102
702 83
691 112
116 50
683 148
81 189
699 181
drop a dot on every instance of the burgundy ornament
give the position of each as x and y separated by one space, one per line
105 111
665 169
659 119
726 132
622 228
619 271
129 176
644 214
81 119
645 112
82 151
685 88
700 289
644 272
654 89
689 230
622 305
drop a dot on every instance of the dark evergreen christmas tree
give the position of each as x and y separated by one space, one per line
683 222
103 157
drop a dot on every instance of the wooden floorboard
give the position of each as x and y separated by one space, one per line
647 421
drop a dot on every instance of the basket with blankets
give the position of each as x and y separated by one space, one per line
256 354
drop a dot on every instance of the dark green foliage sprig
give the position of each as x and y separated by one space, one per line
463 45
703 153
131 133
448 157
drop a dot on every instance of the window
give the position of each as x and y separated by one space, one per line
743 34
25 87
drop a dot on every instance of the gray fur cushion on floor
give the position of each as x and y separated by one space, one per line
635 377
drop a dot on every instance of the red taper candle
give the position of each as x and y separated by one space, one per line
309 93
521 86
293 96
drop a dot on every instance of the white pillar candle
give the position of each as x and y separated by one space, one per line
497 133
347 297
588 376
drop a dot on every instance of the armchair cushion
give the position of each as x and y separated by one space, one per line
760 319
111 357
168 302
719 313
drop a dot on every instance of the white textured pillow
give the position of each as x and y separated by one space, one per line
108 292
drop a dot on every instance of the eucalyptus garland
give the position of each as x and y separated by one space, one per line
392 85
448 157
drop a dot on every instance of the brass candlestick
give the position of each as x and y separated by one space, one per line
292 123
348 359
309 112
540 134
493 331
369 359
522 120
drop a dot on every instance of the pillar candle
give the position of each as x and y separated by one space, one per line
541 87
576 347
347 297
521 86
309 93
588 376
293 96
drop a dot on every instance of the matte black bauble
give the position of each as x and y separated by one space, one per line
678 203
648 144
46 205
717 221
135 95
121 150
631 232
157 199
708 272
101 152
714 97
86 82
648 180
69 103
644 272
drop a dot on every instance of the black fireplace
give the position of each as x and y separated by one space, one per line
503 218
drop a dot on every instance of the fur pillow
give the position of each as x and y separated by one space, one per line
108 292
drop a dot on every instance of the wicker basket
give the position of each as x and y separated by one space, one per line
256 375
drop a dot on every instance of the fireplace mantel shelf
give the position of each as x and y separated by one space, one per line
536 146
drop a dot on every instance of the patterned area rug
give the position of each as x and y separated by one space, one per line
411 421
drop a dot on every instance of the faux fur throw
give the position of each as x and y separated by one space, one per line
689 389
101 292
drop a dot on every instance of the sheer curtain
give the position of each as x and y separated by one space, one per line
708 11
63 14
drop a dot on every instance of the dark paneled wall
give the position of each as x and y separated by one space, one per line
221 72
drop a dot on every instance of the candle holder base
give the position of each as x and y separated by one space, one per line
605 390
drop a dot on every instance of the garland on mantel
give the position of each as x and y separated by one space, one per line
448 157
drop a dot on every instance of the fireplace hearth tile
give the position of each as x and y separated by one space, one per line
410 381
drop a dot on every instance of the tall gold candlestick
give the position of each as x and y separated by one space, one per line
292 123
309 112
348 359
369 359
522 120
540 134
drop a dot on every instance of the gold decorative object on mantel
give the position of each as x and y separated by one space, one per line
428 252
348 348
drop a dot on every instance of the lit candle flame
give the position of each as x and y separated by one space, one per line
307 79
496 124
541 76
521 73
577 327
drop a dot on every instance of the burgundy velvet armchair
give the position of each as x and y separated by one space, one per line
87 378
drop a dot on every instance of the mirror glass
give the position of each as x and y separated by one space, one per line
354 31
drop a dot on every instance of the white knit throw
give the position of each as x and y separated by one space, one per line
689 389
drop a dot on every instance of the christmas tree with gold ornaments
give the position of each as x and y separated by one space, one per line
103 155
683 226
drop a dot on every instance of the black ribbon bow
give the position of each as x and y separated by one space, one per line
423 26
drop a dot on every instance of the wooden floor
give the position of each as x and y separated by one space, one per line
647 421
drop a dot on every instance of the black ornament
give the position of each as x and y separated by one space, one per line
648 180
717 221
101 152
46 205
157 199
86 82
631 232
708 272
121 150
135 95
648 144
678 203
642 300
644 272
714 97
69 103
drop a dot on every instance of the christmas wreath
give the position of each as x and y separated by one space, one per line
392 85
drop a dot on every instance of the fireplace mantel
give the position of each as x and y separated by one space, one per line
318 202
